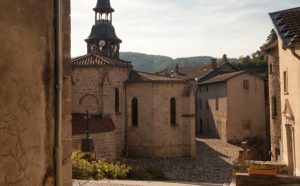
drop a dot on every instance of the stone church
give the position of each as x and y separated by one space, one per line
131 113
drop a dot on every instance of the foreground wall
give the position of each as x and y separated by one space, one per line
27 93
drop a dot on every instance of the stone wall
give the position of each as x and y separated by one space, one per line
155 136
105 143
94 89
27 90
242 179
275 104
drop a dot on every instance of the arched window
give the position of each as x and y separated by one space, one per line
173 111
134 112
117 100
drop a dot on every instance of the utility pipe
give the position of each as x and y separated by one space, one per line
59 89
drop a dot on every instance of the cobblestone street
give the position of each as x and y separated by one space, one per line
212 164
211 167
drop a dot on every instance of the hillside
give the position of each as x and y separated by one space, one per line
155 63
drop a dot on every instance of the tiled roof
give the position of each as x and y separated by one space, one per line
271 46
96 60
221 77
189 72
144 77
287 24
222 69
96 124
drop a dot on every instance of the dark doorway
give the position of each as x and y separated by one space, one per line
290 148
201 127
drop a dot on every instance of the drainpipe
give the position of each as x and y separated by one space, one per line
59 89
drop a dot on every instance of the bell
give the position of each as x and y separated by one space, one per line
87 145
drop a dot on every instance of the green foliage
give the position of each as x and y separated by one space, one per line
225 59
271 37
258 61
82 169
147 63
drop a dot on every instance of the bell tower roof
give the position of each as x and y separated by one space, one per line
103 6
103 38
103 31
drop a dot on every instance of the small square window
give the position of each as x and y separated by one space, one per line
285 82
274 107
217 103
271 68
246 84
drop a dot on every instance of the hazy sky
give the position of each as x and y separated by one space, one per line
182 28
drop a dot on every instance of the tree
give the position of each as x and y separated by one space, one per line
224 58
271 37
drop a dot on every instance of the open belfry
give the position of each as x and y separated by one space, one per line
131 113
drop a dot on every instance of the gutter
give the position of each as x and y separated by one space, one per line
293 49
58 91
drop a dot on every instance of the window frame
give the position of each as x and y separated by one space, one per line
117 100
246 84
134 112
173 111
285 82
274 107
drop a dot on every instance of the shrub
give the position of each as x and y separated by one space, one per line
83 169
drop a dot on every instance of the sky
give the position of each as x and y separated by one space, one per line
182 28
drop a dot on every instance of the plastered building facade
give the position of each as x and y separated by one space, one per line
289 68
231 106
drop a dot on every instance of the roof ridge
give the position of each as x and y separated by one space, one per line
286 10
159 75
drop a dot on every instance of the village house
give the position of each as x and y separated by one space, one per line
131 113
284 69
231 104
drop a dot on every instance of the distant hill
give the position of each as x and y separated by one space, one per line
155 63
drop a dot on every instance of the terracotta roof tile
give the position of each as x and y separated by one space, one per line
96 124
96 60
287 24
144 77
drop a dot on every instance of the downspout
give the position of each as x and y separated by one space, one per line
126 130
59 89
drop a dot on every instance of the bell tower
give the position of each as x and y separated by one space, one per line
103 38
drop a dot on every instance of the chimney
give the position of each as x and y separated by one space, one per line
177 69
214 63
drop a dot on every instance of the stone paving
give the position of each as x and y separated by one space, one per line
138 183
211 166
